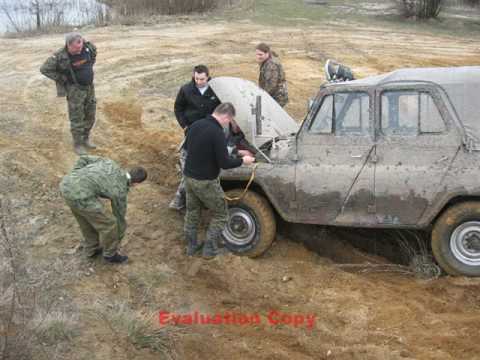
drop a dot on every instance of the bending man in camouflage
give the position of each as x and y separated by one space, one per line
91 179
272 77
71 67
207 153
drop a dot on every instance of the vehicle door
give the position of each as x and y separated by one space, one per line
416 143
334 172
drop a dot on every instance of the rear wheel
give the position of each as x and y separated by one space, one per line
251 225
456 239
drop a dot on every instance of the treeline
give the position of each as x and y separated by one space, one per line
426 9
44 15
34 16
168 7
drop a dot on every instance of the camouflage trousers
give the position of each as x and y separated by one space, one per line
209 194
82 106
96 226
181 187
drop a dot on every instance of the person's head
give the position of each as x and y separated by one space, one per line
235 127
137 175
74 43
201 75
224 113
262 52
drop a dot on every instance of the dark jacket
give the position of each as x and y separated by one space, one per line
59 68
191 105
207 150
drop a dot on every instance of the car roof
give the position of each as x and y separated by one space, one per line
442 76
461 86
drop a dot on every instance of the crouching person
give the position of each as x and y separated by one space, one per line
91 179
207 153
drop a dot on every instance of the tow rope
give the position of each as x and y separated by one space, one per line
252 177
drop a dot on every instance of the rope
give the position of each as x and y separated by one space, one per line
252 177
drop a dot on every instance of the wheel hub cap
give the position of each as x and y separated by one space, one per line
241 228
465 243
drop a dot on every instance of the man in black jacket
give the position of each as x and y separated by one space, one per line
207 153
195 101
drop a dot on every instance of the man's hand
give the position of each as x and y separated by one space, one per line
243 153
248 160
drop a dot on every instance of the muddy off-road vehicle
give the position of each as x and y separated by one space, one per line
400 150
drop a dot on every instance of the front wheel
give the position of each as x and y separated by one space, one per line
456 239
251 225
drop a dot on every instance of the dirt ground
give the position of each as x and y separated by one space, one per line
359 314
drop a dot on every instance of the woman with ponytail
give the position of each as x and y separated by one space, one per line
272 77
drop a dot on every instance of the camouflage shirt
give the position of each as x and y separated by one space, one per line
93 177
272 80
58 67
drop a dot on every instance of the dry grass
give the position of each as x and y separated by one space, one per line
138 329
30 328
54 327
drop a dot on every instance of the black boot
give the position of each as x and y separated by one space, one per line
116 259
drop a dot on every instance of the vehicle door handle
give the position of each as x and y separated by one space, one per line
357 156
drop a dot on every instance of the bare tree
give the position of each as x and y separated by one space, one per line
422 9
7 11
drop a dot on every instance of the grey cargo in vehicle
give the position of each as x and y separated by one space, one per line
399 150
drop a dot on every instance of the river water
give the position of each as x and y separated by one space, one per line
16 14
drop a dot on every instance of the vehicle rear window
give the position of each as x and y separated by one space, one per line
410 113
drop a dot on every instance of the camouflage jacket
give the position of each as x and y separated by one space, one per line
58 65
272 80
93 177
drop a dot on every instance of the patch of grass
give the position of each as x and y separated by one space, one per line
56 327
368 12
137 328
278 12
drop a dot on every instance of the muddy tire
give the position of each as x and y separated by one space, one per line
251 225
456 239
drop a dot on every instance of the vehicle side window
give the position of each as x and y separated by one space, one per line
410 113
400 113
323 121
346 113
430 119
352 114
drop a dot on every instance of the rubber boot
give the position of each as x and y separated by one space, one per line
88 143
178 202
210 248
193 246
78 146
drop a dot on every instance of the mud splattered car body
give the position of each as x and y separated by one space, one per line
398 150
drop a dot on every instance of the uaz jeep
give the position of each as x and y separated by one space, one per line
399 150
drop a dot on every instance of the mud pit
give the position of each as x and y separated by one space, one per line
359 314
